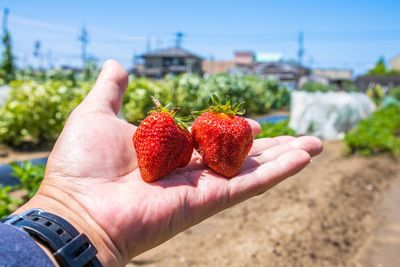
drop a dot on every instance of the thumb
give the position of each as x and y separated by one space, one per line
107 93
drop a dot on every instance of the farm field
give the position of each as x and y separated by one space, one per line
125 117
340 211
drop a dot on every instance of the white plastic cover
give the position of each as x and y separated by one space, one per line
328 115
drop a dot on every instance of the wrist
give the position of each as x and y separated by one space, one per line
58 202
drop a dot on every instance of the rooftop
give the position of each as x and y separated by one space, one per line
171 52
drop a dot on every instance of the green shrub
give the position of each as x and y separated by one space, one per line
395 92
276 129
35 112
29 175
191 92
378 134
7 203
376 93
137 100
317 87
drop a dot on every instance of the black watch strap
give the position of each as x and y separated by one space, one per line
69 247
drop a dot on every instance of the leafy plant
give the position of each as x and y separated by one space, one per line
276 129
378 134
7 203
29 175
317 87
395 92
35 112
191 92
376 93
40 102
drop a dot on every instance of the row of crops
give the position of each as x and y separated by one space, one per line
36 109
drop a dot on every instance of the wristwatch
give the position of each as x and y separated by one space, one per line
69 247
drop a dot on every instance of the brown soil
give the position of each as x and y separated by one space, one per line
324 216
9 155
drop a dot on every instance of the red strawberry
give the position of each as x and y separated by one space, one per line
162 144
222 138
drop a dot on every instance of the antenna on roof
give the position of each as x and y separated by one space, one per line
178 39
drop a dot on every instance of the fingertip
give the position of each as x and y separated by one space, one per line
113 71
255 126
317 146
311 144
108 92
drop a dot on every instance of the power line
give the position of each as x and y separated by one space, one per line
262 35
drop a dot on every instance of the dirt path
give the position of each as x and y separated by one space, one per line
382 247
322 217
11 156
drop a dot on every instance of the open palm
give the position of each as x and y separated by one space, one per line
93 165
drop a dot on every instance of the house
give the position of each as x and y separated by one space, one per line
266 65
386 81
286 72
334 76
217 66
173 61
394 63
242 60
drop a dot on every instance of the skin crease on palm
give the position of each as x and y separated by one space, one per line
93 181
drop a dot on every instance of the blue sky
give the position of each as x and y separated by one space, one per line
351 34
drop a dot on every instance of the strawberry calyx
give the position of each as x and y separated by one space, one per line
180 121
217 107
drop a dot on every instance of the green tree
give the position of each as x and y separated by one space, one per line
380 67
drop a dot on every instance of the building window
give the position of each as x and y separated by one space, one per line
177 61
167 62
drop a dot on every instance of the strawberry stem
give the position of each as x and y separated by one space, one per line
180 121
216 106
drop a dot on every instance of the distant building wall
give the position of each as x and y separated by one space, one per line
217 66
244 58
334 74
386 82
395 63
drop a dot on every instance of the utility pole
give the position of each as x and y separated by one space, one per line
300 51
178 39
36 48
6 12
49 59
84 39
37 53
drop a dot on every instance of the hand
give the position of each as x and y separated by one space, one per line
93 181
